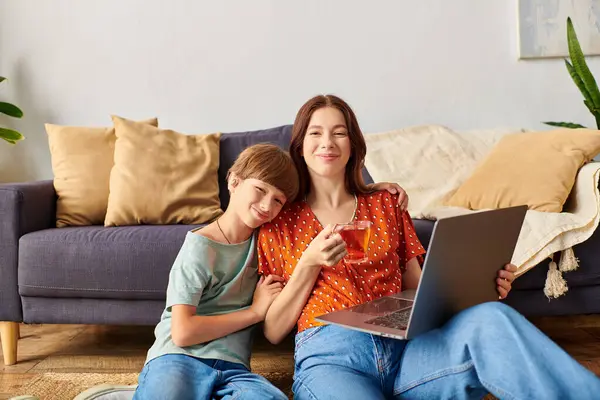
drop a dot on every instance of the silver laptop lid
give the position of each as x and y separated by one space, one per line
461 264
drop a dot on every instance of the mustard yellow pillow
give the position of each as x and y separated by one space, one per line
162 176
534 168
82 158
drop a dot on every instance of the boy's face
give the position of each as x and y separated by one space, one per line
255 201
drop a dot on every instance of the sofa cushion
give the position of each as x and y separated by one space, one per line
82 158
533 168
162 177
131 262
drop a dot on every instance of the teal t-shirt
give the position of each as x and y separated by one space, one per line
216 278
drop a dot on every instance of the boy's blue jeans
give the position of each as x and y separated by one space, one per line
181 377
487 348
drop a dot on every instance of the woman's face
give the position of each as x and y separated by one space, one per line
326 148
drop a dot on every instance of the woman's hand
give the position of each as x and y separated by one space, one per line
505 279
393 188
327 248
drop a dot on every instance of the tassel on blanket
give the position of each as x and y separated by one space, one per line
568 261
555 283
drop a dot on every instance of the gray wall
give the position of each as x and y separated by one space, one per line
203 66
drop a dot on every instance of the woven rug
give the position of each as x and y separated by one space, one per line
65 386
276 365
64 376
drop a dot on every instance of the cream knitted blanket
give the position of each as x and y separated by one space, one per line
430 162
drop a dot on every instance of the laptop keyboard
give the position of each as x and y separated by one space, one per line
382 306
395 320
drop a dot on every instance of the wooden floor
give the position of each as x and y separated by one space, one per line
103 349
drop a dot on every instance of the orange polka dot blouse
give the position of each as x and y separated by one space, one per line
393 242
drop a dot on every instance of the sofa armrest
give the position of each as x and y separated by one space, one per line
24 208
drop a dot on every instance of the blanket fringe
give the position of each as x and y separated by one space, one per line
568 261
556 285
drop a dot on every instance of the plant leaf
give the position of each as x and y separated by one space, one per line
2 79
564 124
10 136
577 79
10 110
579 64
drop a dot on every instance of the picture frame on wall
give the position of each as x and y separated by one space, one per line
543 27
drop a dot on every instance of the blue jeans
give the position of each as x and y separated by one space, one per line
486 348
181 377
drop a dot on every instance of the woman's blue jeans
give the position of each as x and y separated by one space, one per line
486 348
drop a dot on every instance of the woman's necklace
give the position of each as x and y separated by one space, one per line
222 233
353 213
355 208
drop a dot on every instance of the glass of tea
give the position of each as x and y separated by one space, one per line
356 235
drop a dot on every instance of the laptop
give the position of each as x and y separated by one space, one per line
460 270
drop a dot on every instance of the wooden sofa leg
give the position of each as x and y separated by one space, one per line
9 334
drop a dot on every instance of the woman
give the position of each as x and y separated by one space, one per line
487 348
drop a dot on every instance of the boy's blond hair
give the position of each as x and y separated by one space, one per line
268 163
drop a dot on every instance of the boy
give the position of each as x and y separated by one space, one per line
203 341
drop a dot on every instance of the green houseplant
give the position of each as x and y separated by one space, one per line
583 78
11 136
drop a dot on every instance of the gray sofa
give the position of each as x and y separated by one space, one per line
118 275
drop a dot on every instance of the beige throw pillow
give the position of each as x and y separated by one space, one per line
162 177
82 158
535 168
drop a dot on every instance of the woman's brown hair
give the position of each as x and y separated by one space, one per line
358 149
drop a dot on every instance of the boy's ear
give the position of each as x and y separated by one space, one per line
233 182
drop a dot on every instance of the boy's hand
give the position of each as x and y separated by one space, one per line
266 290
393 188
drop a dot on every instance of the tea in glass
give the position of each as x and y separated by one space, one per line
356 235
